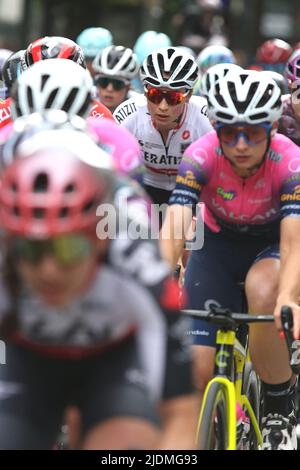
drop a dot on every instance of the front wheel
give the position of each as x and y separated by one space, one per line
213 431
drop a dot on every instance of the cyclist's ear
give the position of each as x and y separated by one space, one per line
274 128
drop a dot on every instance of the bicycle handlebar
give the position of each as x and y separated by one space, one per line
229 320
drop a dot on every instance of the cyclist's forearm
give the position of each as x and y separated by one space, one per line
173 233
289 286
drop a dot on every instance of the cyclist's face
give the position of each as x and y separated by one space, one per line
165 116
244 156
110 97
58 285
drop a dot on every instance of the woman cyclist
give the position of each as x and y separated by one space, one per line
68 339
249 179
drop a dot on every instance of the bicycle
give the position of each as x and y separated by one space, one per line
234 382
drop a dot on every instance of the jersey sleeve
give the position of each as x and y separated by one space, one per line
290 196
194 170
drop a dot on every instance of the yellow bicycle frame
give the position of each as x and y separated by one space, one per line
232 389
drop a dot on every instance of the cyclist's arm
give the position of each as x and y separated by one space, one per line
174 232
289 283
289 286
193 173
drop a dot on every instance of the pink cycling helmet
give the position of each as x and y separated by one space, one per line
118 142
38 201
292 69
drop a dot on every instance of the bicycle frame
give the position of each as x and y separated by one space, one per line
230 361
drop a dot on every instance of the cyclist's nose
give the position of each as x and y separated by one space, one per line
110 87
163 104
241 141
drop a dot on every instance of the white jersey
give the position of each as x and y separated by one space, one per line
162 159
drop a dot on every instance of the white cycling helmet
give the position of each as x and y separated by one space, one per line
246 96
116 61
214 74
53 84
170 67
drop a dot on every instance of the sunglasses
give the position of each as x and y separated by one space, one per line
172 97
117 84
67 250
252 135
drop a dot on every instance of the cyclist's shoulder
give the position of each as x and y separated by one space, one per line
198 105
284 147
131 108
207 145
99 111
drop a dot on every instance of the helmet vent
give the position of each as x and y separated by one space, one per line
265 97
51 98
170 52
14 187
241 106
41 183
29 97
45 78
70 99
89 206
70 188
64 212
87 103
38 213
16 211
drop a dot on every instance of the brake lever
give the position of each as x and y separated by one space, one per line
293 345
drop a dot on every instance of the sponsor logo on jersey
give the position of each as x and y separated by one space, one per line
186 134
161 159
125 111
226 195
260 183
291 197
275 156
189 180
294 165
5 114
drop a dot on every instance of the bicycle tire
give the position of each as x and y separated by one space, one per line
252 391
213 431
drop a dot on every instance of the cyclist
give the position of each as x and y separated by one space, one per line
4 54
52 47
167 119
289 123
213 55
273 55
56 84
214 74
178 402
12 69
115 67
92 41
68 338
248 178
147 43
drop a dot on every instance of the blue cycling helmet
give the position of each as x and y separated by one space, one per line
93 40
213 55
148 42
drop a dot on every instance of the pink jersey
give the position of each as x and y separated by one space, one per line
254 205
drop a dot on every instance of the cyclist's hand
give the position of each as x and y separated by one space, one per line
296 316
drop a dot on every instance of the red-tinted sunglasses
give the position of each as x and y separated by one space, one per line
172 97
